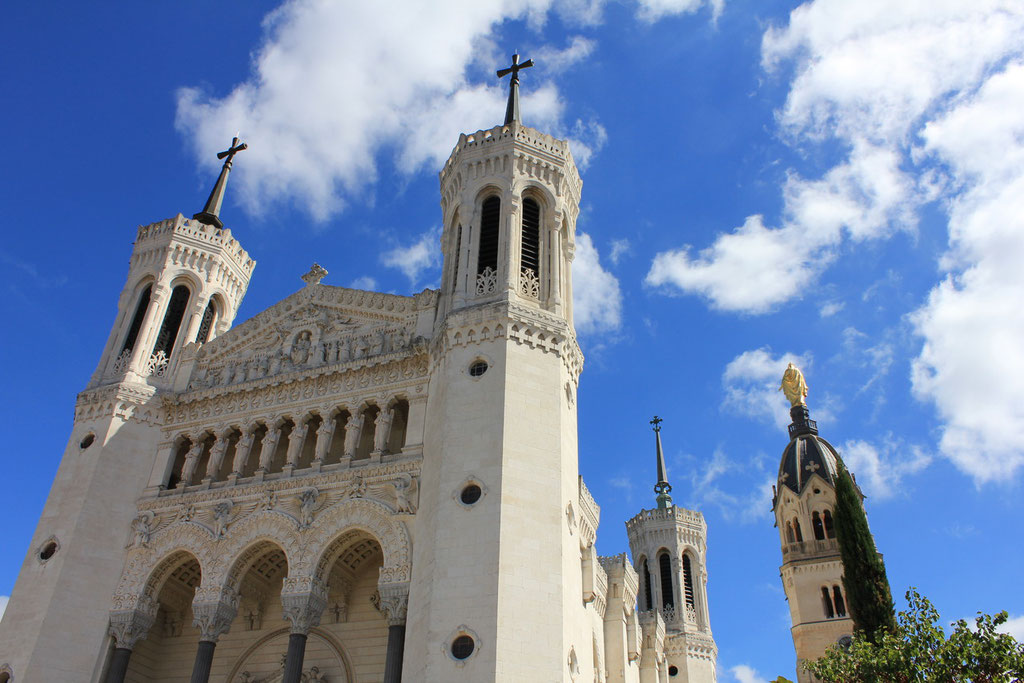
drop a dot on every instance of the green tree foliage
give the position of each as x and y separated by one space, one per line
867 589
917 650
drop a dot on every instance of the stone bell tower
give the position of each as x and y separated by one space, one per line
803 504
669 549
186 279
497 582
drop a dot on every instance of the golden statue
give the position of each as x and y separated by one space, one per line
794 386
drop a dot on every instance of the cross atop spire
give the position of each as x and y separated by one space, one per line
512 108
662 488
209 214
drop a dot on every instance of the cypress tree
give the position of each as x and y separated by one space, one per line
868 598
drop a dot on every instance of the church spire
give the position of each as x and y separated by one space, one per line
209 214
512 108
662 488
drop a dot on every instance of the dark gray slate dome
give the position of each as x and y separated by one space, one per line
807 454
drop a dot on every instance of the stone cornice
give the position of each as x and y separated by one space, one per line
127 400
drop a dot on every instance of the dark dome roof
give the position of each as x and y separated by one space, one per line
807 454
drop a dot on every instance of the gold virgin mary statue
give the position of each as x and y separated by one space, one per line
794 386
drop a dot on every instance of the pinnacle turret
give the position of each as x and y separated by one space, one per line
211 212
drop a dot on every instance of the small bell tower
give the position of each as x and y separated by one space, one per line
669 549
803 502
186 280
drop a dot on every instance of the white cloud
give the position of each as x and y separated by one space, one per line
364 282
746 674
1015 627
880 469
4 599
620 248
920 99
414 259
751 381
597 299
830 308
586 140
555 60
652 10
710 486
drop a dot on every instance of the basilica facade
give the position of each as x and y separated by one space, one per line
351 485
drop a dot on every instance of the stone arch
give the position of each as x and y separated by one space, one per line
539 192
337 649
359 514
146 572
241 562
253 536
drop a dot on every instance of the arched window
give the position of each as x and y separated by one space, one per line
648 602
457 255
490 218
687 580
789 533
826 603
172 321
140 315
830 528
796 529
837 598
530 248
665 565
206 326
819 530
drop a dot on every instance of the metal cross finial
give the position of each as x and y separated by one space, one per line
211 212
657 423
233 150
514 69
512 109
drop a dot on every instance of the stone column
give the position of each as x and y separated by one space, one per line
188 471
304 599
220 447
555 259
415 423
324 436
195 319
295 441
394 602
127 627
269 446
144 342
242 450
214 610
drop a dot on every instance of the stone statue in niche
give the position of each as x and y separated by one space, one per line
382 429
352 429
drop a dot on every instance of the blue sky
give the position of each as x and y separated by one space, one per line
840 184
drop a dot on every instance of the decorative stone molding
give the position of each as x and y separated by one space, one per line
128 626
303 599
213 610
394 602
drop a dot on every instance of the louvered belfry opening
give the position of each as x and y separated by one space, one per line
648 602
490 217
140 315
172 321
206 326
688 580
665 564
530 258
457 255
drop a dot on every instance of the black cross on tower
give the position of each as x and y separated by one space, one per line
211 212
512 109
657 423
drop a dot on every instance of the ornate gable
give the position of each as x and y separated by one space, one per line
317 326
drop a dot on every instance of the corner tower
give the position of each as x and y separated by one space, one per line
186 279
803 504
669 549
497 588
